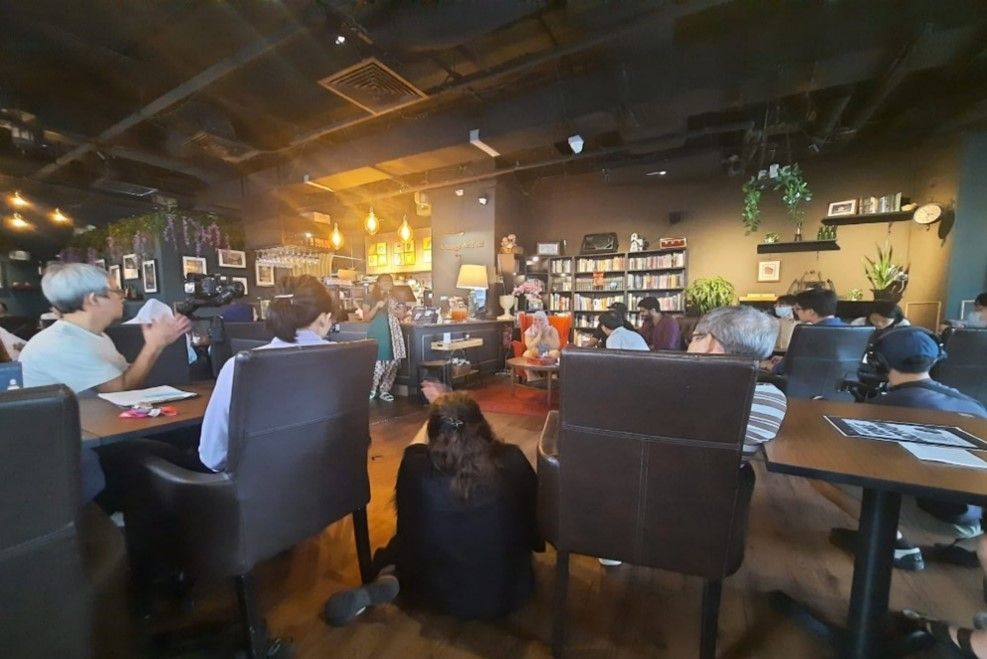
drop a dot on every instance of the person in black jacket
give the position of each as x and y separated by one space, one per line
466 518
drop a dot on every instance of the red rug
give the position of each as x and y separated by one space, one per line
527 401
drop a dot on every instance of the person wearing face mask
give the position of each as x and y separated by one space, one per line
884 317
785 313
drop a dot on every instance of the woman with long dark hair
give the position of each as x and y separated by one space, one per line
384 313
466 519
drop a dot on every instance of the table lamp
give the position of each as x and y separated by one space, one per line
474 278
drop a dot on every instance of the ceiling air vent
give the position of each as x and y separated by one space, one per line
374 87
122 187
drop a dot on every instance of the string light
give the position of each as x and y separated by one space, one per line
405 230
18 201
372 225
60 217
18 222
336 238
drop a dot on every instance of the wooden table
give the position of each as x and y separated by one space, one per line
515 363
101 422
808 445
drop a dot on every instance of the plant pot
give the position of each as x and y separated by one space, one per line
890 293
798 232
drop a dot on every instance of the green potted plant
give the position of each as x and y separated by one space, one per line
888 278
706 294
794 192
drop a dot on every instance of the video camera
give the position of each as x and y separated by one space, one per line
208 291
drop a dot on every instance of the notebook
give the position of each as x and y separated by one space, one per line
154 395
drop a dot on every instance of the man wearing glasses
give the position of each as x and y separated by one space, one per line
74 350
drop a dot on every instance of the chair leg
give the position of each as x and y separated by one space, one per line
710 619
561 594
255 633
362 533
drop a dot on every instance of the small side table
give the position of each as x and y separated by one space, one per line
442 365
515 363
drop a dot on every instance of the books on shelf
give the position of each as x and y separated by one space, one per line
655 282
656 261
595 303
558 302
560 266
600 264
609 283
665 302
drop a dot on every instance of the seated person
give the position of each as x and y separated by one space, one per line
814 306
599 338
541 339
618 336
466 519
785 313
749 333
884 317
660 331
978 316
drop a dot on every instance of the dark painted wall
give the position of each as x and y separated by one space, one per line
968 262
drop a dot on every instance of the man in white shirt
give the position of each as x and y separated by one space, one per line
618 336
75 351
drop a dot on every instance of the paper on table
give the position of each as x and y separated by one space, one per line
952 456
153 395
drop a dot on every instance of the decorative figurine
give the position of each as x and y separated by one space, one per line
638 243
508 244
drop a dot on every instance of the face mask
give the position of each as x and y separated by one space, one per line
784 312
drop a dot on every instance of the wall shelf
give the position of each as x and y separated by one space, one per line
869 218
802 246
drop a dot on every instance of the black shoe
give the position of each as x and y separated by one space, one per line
346 605
906 555
951 554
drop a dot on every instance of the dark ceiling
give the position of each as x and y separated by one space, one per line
184 96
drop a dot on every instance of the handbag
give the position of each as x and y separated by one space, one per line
599 243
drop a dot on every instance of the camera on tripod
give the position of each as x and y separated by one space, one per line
208 291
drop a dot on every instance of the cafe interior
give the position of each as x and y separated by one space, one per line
335 328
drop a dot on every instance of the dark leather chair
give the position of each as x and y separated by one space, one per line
297 462
239 345
221 333
62 567
965 367
642 464
820 359
172 366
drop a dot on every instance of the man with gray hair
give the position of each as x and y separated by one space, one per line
751 334
74 350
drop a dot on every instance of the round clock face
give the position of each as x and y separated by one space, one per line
927 214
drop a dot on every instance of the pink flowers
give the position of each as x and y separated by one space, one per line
529 287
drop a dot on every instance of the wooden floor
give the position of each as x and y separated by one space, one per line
614 612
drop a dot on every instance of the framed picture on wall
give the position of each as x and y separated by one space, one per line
427 242
381 249
131 267
427 256
115 275
372 261
100 263
409 258
837 208
769 271
193 265
150 271
264 274
398 248
397 259
242 280
232 258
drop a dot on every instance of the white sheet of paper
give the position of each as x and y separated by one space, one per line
153 395
951 456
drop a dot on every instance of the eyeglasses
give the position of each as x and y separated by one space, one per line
112 292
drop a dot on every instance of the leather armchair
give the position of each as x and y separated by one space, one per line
819 359
172 366
966 363
221 333
643 463
297 462
62 566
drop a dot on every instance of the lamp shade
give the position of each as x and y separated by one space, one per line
472 276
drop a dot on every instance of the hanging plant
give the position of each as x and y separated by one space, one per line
751 214
794 193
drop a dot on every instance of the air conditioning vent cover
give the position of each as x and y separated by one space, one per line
122 187
373 86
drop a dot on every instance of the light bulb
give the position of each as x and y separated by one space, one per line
405 231
18 201
336 237
18 222
60 217
371 225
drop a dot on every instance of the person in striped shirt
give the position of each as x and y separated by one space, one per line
745 332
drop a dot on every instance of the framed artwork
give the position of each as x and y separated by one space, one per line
193 265
116 276
398 248
427 242
837 208
242 280
410 246
372 261
409 258
769 271
131 267
397 259
232 258
100 263
427 256
150 271
264 274
381 249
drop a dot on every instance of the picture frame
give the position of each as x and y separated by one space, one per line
372 261
116 276
100 263
399 248
264 274
149 270
242 280
427 243
381 249
409 258
397 259
427 256
193 265
846 207
131 267
554 248
410 246
768 271
232 258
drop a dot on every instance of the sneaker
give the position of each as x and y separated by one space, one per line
118 519
606 562
343 607
906 555
373 394
387 397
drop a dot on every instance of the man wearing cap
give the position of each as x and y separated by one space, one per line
599 339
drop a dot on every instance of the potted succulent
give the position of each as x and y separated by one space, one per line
704 295
888 278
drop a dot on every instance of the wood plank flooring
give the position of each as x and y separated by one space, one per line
613 612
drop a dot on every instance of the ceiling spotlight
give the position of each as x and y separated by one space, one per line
657 172
459 192
336 238
405 230
483 199
372 225
17 201
18 222
60 217
340 40
576 143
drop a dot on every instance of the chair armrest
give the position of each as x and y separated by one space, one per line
780 381
548 479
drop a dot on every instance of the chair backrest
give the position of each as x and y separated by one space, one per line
172 366
221 333
563 325
524 321
965 367
42 587
820 358
649 451
299 435
236 345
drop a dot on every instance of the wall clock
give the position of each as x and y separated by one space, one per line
927 214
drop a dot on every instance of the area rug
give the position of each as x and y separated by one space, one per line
526 401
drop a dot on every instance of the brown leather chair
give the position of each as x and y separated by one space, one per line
298 439
642 464
820 359
62 566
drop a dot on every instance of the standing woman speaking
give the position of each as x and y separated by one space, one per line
383 314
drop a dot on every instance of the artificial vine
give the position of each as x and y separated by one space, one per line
794 192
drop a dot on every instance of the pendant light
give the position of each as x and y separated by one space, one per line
372 224
17 201
18 222
405 231
336 238
60 217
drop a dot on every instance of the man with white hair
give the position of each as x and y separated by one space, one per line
75 351
749 333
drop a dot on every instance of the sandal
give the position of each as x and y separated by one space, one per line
939 630
387 397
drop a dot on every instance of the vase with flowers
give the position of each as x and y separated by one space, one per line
531 290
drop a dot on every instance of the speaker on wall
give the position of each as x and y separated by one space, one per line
674 217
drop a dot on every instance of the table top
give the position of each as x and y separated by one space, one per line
808 445
101 422
522 362
457 344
